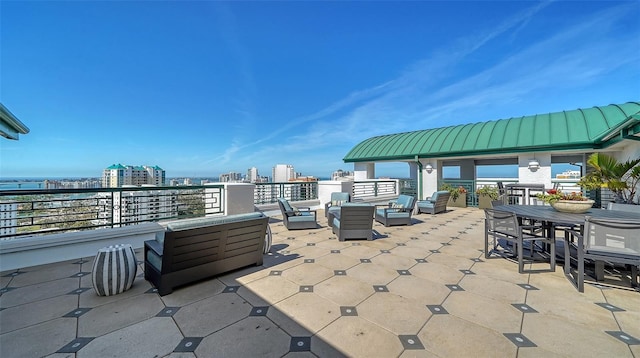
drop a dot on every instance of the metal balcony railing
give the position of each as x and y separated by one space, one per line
268 193
30 212
39 211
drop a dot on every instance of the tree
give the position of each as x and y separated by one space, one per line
621 178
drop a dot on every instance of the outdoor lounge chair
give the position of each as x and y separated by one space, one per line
604 240
354 221
508 239
398 212
337 199
297 218
437 203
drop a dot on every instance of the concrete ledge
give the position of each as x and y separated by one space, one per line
40 250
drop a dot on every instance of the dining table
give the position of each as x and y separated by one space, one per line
552 219
551 216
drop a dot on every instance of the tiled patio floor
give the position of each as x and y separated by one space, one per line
424 290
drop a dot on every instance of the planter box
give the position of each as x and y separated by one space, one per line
484 202
460 202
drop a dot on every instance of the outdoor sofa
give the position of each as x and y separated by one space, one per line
190 250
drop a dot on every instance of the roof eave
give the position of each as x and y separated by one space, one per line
10 126
412 157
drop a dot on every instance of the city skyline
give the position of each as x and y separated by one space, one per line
204 88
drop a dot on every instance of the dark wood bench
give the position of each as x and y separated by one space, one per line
194 249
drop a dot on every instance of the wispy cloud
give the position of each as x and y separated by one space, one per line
429 95
564 61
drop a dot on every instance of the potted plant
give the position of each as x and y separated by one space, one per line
607 172
458 197
486 194
573 202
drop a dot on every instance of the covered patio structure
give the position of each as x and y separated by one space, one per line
532 142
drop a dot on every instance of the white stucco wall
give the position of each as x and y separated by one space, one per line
364 171
45 249
326 187
429 177
539 176
239 198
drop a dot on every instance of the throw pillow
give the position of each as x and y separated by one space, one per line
397 206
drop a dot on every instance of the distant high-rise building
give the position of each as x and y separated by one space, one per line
230 177
136 206
342 175
283 173
118 175
252 175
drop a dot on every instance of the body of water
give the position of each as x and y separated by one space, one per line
21 185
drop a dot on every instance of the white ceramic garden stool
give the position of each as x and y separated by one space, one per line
114 270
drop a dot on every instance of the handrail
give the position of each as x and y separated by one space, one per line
31 212
28 212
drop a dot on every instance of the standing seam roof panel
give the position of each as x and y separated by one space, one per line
442 138
463 135
497 134
596 126
420 138
437 133
580 127
388 144
451 137
474 134
484 138
401 143
559 130
512 128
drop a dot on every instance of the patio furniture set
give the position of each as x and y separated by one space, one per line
195 249
599 236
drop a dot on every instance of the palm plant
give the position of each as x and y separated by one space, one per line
621 178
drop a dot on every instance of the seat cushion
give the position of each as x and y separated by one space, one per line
405 200
623 253
425 204
302 218
154 259
393 214
339 197
286 205
185 224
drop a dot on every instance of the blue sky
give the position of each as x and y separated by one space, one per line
202 88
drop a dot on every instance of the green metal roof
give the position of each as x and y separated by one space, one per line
10 126
116 166
588 128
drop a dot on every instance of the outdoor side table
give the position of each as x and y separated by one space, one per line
114 269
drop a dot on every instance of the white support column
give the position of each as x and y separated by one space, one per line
541 175
364 171
430 175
